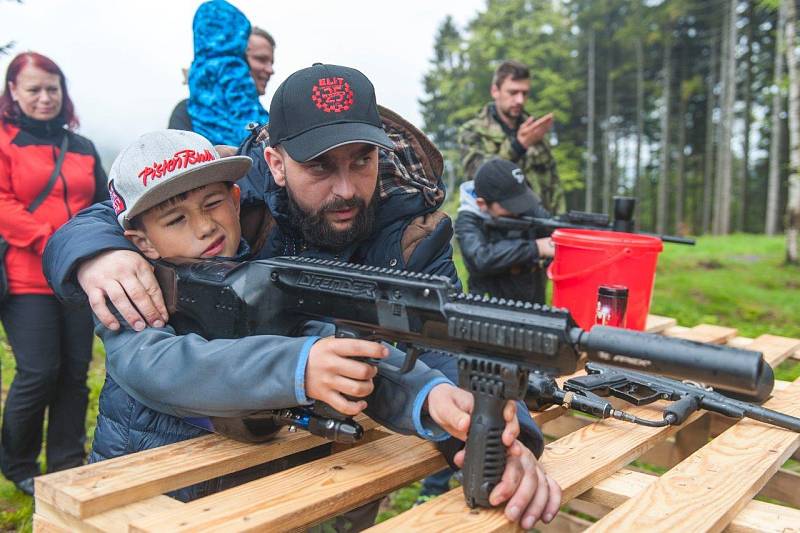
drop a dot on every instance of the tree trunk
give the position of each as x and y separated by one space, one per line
776 140
708 154
744 177
722 215
680 175
661 212
590 126
608 135
793 200
639 107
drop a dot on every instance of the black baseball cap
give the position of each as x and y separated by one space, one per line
322 107
498 180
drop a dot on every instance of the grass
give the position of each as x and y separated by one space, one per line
738 281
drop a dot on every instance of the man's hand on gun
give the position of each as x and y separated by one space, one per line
529 492
126 278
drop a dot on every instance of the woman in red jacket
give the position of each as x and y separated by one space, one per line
52 342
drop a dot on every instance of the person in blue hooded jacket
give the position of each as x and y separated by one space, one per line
223 97
326 196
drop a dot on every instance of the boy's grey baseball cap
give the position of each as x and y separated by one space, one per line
162 164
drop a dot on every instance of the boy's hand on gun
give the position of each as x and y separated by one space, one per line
333 372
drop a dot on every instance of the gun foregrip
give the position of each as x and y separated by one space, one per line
485 454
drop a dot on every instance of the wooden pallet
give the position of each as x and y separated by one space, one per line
714 470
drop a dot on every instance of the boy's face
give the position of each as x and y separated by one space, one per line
494 208
204 224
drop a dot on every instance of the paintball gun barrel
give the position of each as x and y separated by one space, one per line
623 221
498 343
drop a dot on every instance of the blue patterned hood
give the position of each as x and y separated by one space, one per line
222 94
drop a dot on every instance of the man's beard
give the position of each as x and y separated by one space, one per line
317 231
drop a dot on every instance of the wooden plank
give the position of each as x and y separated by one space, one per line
564 523
657 323
708 490
89 490
775 349
702 333
739 342
784 486
113 521
329 486
577 462
765 517
756 516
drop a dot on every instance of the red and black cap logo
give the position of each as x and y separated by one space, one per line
332 95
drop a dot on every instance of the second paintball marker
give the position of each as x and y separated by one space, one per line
585 394
498 343
624 207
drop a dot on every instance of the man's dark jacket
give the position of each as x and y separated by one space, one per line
410 231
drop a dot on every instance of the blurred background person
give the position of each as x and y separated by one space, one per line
52 342
260 54
503 129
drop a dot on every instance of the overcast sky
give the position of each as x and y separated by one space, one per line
123 59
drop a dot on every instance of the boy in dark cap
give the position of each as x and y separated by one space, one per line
504 263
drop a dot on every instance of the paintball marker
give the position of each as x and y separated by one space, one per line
584 393
623 221
498 343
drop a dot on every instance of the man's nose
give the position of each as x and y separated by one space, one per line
343 185
269 70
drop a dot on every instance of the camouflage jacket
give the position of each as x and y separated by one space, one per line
483 137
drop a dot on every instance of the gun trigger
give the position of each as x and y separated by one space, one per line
412 353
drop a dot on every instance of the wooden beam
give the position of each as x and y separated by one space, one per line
113 521
92 489
706 491
577 462
701 332
329 487
756 516
657 324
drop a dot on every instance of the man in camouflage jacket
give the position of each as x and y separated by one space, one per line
503 129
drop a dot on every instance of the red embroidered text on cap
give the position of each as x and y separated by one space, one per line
332 95
182 159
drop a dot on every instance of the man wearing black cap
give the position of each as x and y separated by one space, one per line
341 178
506 264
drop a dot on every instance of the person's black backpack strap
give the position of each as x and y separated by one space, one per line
53 177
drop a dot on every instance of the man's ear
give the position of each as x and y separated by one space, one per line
277 165
494 90
482 205
140 240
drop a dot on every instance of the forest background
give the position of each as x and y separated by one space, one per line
685 104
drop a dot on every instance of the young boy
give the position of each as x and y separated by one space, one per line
175 197
504 263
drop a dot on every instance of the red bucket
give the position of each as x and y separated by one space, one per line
587 259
